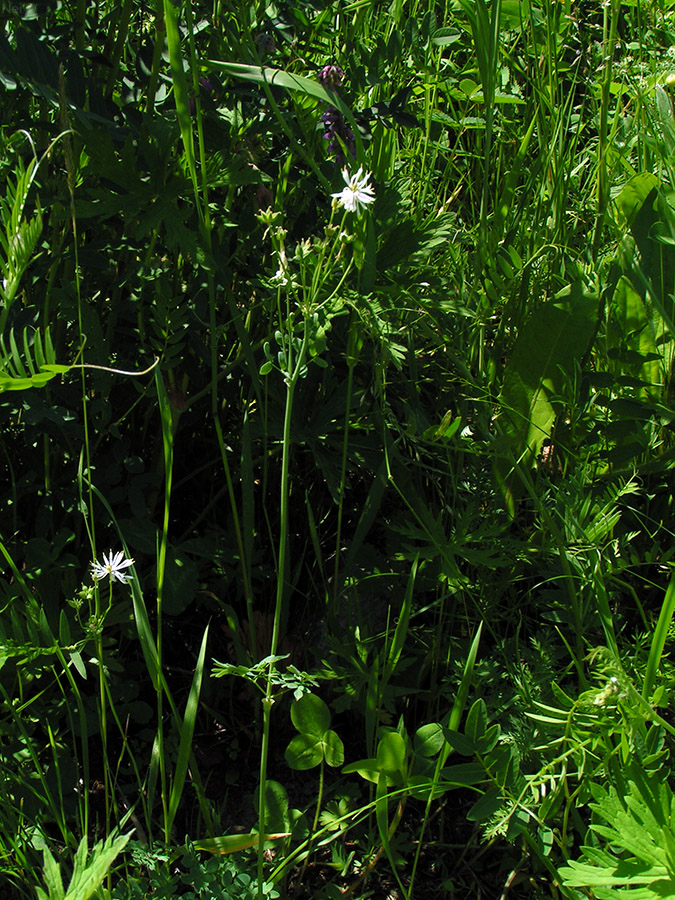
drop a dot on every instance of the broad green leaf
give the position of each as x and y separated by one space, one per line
90 870
653 269
368 769
428 739
277 817
391 756
486 805
463 774
310 715
489 740
636 347
458 742
553 340
476 721
634 194
52 876
304 752
333 749
76 659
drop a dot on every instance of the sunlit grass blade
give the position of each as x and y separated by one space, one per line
659 640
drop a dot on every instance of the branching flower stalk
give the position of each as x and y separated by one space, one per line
293 356
295 368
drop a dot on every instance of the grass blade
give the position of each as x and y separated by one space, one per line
186 733
659 639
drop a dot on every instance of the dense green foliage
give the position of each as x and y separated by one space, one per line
378 491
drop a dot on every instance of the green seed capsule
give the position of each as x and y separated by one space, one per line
670 82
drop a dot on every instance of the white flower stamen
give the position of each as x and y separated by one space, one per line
112 567
358 192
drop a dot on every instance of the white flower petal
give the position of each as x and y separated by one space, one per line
358 192
112 567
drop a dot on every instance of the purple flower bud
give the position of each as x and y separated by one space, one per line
331 77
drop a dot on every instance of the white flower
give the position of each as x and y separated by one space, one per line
283 272
112 566
358 192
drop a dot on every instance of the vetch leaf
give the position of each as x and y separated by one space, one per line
486 805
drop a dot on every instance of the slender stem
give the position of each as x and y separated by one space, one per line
167 441
343 474
279 601
312 830
122 25
160 31
610 26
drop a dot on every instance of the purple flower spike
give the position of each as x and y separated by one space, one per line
331 77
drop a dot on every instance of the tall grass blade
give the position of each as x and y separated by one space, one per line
464 685
181 90
659 640
187 729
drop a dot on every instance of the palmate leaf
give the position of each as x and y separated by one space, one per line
638 860
89 869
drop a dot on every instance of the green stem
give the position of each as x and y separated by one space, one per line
343 475
122 25
279 602
312 830
609 42
167 442
160 31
